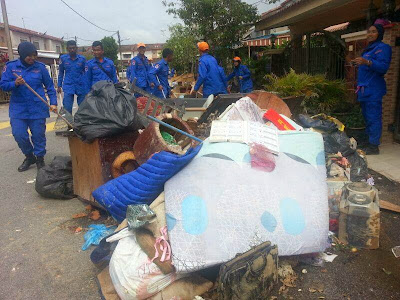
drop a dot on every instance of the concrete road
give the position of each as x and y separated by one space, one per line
40 256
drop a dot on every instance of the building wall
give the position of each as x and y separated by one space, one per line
392 82
43 43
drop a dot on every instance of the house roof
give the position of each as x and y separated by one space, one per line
337 27
268 36
313 15
284 5
32 33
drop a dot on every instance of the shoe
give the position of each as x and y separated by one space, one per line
28 161
372 150
40 162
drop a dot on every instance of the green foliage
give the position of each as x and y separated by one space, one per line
353 119
258 68
222 23
183 42
88 55
321 95
110 48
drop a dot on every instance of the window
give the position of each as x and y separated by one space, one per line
58 49
2 39
36 43
22 40
126 55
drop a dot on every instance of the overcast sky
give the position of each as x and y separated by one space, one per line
138 20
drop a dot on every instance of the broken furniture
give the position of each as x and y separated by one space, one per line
91 163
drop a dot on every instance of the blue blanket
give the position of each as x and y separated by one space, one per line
143 185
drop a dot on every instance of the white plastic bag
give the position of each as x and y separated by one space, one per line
130 271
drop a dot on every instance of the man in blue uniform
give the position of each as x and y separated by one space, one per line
159 74
100 67
209 74
26 110
371 85
243 75
71 77
140 68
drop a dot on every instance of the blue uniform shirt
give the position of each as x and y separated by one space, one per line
246 84
210 76
223 76
71 75
140 68
23 103
160 70
371 82
94 73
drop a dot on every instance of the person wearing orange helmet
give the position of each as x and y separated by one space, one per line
242 73
209 74
140 68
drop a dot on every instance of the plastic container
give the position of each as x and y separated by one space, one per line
359 220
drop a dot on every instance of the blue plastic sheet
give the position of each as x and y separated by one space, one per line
95 234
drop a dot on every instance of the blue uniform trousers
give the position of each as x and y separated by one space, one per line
372 112
38 138
68 101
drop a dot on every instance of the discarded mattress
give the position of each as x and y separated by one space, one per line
143 185
218 206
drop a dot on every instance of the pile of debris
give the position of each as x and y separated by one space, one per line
209 216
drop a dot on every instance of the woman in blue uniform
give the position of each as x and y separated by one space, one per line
371 85
26 110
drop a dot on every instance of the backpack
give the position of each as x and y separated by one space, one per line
249 276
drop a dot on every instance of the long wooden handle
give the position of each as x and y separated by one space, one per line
45 102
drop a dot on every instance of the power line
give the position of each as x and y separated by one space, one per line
84 39
85 18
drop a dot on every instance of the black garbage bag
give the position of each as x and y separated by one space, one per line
320 124
358 167
106 111
55 180
337 141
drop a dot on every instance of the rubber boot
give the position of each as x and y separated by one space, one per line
28 161
40 162
372 150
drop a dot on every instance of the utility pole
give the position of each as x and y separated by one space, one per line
76 40
120 51
7 30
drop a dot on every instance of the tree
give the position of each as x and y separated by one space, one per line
183 42
110 48
222 23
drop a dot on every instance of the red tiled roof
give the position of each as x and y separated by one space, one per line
31 32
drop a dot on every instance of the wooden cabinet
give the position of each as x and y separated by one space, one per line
91 163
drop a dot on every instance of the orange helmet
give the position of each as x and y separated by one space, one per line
237 58
141 45
203 46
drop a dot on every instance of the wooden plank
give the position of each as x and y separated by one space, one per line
86 167
389 206
196 109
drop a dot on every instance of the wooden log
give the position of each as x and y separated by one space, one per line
389 206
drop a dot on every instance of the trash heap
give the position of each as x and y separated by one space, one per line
213 215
